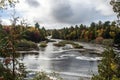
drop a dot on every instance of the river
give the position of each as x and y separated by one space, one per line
71 64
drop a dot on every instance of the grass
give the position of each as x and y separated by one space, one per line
59 44
108 42
43 44
63 43
26 45
77 46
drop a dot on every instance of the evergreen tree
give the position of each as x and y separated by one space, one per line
37 26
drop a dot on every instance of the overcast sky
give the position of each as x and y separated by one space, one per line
61 13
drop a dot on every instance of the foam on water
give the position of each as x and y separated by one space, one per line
67 55
65 73
49 59
89 58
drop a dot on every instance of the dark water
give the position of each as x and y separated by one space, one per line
71 64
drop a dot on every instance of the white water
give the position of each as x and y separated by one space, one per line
70 63
89 58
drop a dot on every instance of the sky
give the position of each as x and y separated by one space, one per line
60 13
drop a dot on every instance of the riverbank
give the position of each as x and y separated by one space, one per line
64 45
103 42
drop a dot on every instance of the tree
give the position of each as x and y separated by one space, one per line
116 8
92 26
34 34
107 30
112 34
8 39
37 26
5 3
109 67
77 32
100 24
72 35
55 34
117 38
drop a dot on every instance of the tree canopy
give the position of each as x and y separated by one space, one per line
6 3
116 8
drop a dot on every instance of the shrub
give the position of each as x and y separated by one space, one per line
43 44
41 76
45 76
99 40
26 45
107 42
109 67
77 46
63 43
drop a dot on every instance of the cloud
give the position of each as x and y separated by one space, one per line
80 11
5 21
104 7
61 10
62 13
33 3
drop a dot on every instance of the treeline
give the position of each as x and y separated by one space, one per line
100 30
30 33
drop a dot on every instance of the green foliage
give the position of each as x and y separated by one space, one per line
43 44
34 34
55 34
26 45
77 46
116 6
37 26
107 42
6 3
63 43
41 76
107 30
8 39
117 38
116 9
5 73
109 67
59 44
45 76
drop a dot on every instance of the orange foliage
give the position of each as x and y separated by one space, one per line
99 39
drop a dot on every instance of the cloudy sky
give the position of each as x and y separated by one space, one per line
61 13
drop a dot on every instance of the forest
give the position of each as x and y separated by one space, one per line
95 32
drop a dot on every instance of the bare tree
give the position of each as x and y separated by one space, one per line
14 18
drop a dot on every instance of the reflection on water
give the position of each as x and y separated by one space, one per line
42 49
70 64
